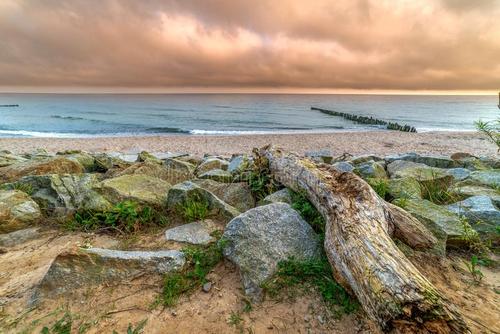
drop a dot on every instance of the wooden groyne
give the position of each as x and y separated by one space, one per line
368 120
9 105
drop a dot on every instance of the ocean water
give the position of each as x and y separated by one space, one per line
81 115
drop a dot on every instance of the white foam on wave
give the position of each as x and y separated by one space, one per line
25 133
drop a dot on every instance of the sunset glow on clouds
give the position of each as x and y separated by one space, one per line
248 45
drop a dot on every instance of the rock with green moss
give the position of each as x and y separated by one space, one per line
218 175
7 158
139 188
65 193
145 156
481 213
17 210
237 194
239 164
90 267
360 159
183 194
211 163
406 187
468 190
180 170
57 165
83 158
444 224
151 169
489 178
371 170
425 175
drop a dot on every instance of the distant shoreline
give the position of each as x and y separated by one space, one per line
359 142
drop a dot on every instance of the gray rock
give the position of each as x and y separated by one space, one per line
490 162
218 175
405 157
145 156
46 166
239 164
7 158
18 237
371 169
473 190
490 178
324 155
481 213
65 193
182 193
438 161
420 172
257 240
197 233
343 166
459 174
17 210
280 196
236 194
211 163
88 267
207 287
406 187
181 170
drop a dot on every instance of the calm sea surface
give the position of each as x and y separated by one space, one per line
80 115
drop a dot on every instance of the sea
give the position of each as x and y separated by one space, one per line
93 115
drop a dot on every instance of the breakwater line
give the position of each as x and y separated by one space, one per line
9 105
368 120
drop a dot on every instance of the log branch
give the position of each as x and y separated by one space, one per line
358 243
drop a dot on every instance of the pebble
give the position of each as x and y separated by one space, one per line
207 287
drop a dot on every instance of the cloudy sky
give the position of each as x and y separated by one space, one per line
258 45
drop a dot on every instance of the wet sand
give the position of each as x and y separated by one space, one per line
379 142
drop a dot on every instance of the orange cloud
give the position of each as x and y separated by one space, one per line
321 44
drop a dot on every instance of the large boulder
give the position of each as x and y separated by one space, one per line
437 161
57 165
145 156
481 213
94 266
139 188
343 166
257 240
406 187
424 174
180 170
151 169
211 163
17 210
236 194
444 224
239 164
65 193
364 158
218 175
18 237
83 158
404 157
281 196
490 178
182 194
458 174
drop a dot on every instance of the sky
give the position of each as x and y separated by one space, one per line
250 46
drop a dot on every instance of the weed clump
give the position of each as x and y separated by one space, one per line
194 209
200 261
313 273
308 212
381 187
124 217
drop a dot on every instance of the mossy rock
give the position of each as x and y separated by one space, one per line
406 187
57 165
17 210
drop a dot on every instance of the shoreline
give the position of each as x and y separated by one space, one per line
353 142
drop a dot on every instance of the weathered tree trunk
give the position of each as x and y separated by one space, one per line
358 243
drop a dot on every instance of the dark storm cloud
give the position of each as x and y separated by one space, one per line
441 44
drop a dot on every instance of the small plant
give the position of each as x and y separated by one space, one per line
137 330
473 267
261 185
235 319
125 217
61 326
436 191
471 238
402 202
381 187
194 209
24 187
491 130
201 260
314 273
308 212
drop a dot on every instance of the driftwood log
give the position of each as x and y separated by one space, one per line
366 261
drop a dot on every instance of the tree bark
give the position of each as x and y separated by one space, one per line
358 243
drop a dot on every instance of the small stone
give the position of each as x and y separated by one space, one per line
321 320
307 318
174 313
207 287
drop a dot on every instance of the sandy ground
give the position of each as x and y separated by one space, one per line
380 142
103 309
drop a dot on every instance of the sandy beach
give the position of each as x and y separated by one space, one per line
380 142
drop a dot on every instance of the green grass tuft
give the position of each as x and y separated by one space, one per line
381 187
125 217
314 273
194 209
308 212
